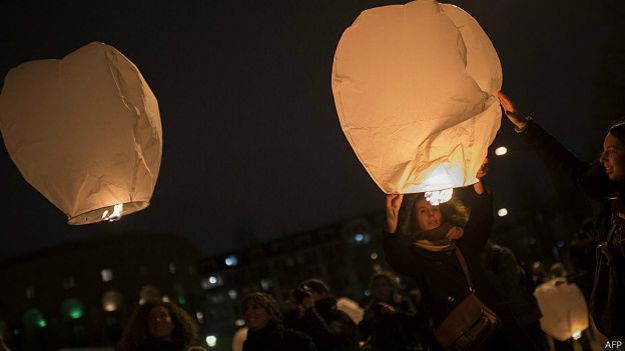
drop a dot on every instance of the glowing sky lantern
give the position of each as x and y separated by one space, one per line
564 309
415 89
85 131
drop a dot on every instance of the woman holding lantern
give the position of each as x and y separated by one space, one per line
439 246
605 181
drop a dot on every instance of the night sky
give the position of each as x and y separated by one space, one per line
252 145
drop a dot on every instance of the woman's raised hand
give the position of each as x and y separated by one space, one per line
393 203
479 186
514 115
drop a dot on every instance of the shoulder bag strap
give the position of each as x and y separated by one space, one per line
465 269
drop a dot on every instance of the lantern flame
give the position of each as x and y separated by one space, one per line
115 216
110 307
577 334
439 196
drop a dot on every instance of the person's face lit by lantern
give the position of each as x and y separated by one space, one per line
160 324
382 289
613 158
428 216
256 317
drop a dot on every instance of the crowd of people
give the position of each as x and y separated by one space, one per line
471 294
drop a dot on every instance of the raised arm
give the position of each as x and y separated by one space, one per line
478 228
397 251
591 179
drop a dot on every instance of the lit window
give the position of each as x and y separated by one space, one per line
233 294
361 238
211 341
172 268
30 292
68 282
107 275
216 298
231 261
266 284
212 282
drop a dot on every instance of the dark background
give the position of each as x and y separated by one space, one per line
252 145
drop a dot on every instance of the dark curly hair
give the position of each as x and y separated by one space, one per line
453 212
136 331
265 301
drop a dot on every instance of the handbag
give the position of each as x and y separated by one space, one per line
471 324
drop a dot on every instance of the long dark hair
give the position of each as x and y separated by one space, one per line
453 212
136 332
618 130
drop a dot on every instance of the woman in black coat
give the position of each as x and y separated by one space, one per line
604 181
421 243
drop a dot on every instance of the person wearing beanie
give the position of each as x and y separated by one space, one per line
315 313
265 330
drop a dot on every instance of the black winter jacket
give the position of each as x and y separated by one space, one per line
607 302
274 337
439 273
399 331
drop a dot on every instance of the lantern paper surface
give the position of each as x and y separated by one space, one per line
415 87
85 131
563 307
351 308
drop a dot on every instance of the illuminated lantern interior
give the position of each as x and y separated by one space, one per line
415 88
85 131
564 309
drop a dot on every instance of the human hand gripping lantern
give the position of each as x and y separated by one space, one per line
85 131
415 87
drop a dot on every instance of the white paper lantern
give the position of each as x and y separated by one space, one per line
351 308
415 89
239 339
85 131
564 309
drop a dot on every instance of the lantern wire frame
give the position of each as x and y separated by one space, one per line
437 197
100 216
